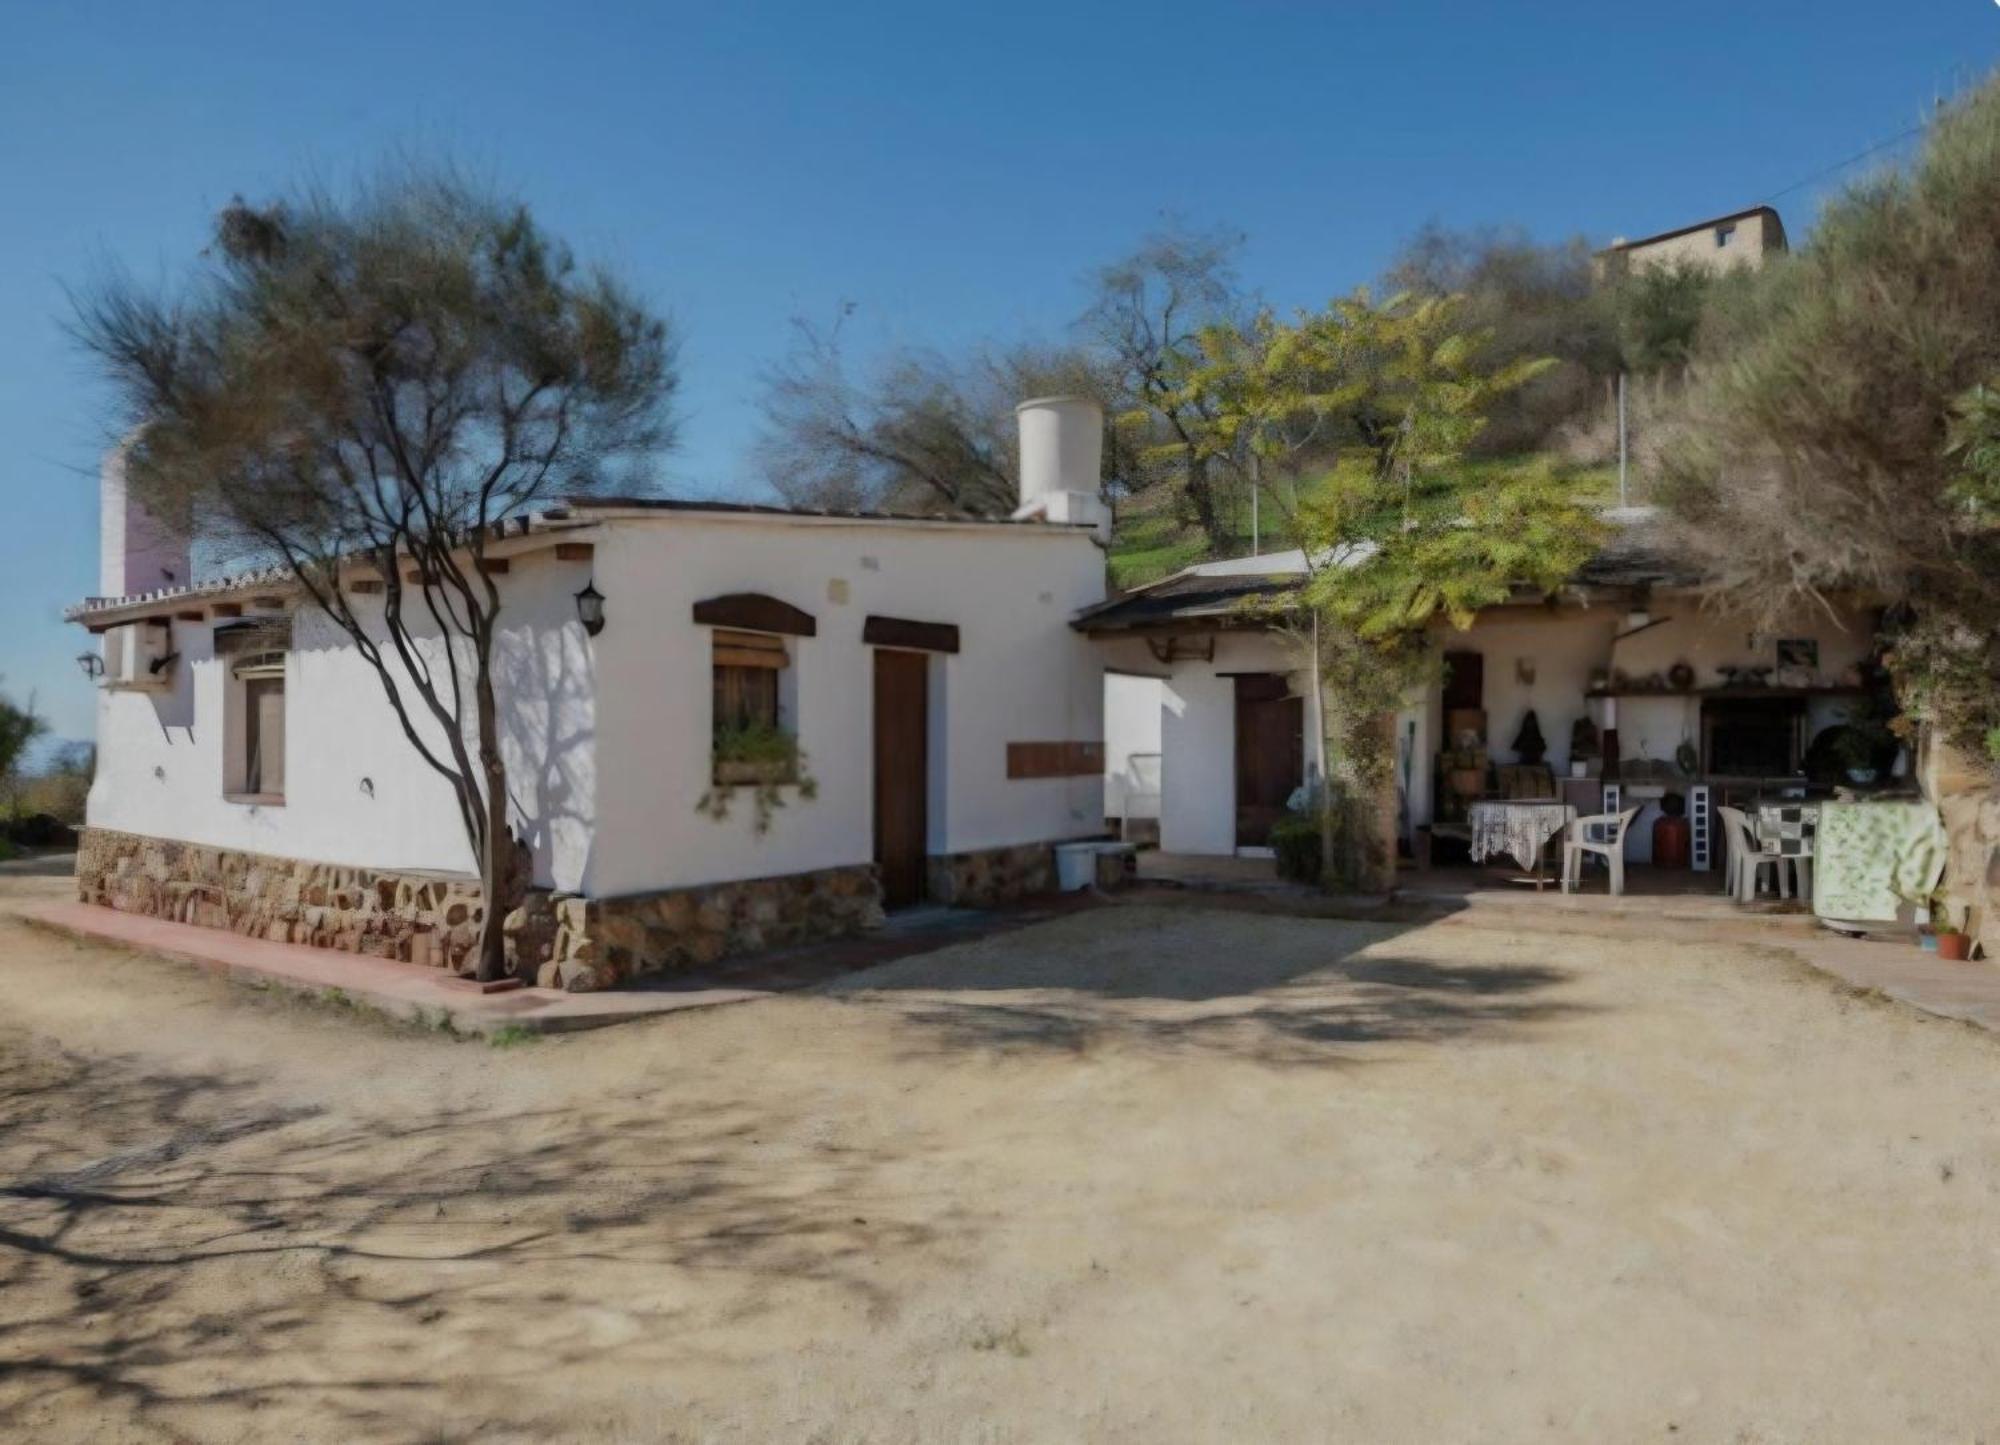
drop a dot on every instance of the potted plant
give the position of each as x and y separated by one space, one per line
1952 943
1857 750
766 760
755 753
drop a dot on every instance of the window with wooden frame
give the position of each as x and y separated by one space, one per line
257 742
751 741
255 652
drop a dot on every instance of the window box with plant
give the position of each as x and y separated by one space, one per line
755 752
750 746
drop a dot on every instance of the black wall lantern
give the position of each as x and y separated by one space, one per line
590 608
92 665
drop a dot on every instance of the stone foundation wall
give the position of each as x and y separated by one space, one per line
418 918
553 940
989 876
602 942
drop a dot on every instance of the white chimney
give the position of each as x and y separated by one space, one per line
1062 462
136 551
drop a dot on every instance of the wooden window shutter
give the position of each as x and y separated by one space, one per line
749 649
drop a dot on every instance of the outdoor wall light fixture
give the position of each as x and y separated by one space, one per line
92 665
590 608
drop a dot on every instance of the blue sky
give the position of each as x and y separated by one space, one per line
953 172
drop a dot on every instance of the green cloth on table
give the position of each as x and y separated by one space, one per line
1869 857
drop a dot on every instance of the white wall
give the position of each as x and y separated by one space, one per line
1198 732
1561 646
1132 717
161 763
1022 675
1654 727
136 552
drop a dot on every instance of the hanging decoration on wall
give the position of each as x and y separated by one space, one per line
1529 745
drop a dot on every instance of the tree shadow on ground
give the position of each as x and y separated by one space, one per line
225 1261
1290 991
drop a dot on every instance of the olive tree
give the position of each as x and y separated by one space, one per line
1835 425
364 390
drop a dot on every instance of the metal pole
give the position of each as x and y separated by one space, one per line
1624 500
1256 488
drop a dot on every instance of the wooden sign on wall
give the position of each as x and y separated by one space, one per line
1055 760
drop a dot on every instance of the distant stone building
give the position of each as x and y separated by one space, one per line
1742 238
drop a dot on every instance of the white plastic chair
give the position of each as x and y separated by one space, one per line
1578 841
1747 861
1142 792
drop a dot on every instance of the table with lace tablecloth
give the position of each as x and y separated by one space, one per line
1520 828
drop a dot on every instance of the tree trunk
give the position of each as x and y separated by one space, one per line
1376 840
1328 750
1201 496
496 865
1359 831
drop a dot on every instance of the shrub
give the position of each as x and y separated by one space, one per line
1840 432
1296 842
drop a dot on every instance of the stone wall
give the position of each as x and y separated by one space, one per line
990 876
602 942
1968 799
554 940
417 917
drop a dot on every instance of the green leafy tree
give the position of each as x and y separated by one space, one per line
365 391
19 728
1400 531
1659 311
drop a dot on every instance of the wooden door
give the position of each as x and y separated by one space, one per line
902 768
1270 755
1464 680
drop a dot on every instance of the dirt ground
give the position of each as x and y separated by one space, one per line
1143 1173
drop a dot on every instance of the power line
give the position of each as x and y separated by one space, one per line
1843 165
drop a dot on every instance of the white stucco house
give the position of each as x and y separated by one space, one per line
950 720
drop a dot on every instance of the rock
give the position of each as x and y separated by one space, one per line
576 977
673 910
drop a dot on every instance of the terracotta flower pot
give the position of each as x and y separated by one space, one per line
1954 946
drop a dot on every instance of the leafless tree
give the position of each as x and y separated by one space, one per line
1535 299
367 390
919 434
1145 319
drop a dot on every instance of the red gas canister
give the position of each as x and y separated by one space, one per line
1670 842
